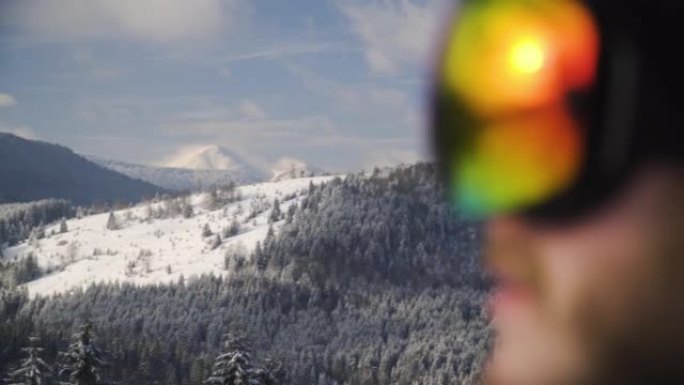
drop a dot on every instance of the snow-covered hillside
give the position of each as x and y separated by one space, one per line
159 242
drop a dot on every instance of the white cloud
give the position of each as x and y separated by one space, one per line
248 130
391 157
244 122
313 137
144 20
95 112
7 100
252 111
396 33
245 110
373 103
280 51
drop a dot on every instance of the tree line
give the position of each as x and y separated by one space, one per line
371 280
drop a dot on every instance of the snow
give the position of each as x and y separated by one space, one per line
215 157
209 166
146 252
289 168
181 179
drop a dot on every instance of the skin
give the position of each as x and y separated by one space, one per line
595 302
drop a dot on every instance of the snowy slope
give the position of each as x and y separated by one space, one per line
179 179
150 251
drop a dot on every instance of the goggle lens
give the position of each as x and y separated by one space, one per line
507 72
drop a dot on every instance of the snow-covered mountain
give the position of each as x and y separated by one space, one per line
159 242
220 158
178 179
203 167
215 157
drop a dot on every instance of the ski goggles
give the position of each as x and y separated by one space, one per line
519 106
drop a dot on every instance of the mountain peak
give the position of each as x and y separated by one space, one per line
210 157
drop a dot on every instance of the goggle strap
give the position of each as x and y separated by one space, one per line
621 109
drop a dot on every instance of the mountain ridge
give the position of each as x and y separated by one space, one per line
210 166
177 179
33 170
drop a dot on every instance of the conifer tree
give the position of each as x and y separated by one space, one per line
215 242
275 213
83 361
291 213
232 230
63 228
112 222
32 370
234 367
272 373
188 212
206 231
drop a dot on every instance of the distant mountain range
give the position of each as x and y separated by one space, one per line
209 166
32 170
178 179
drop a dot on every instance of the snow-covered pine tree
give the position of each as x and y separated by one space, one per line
272 374
275 212
112 222
215 242
206 231
32 370
33 239
63 228
187 210
40 231
232 230
83 361
26 270
291 213
234 367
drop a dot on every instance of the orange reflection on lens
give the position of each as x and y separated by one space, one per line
508 55
517 161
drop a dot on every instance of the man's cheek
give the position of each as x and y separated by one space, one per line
591 274
594 285
534 347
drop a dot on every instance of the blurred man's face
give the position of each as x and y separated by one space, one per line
600 301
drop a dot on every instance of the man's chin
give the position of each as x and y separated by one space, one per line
532 350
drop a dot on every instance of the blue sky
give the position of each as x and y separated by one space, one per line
340 84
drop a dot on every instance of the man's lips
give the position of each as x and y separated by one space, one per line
509 295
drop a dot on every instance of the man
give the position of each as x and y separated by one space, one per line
557 122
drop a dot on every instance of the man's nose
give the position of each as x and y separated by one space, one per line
509 227
509 247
